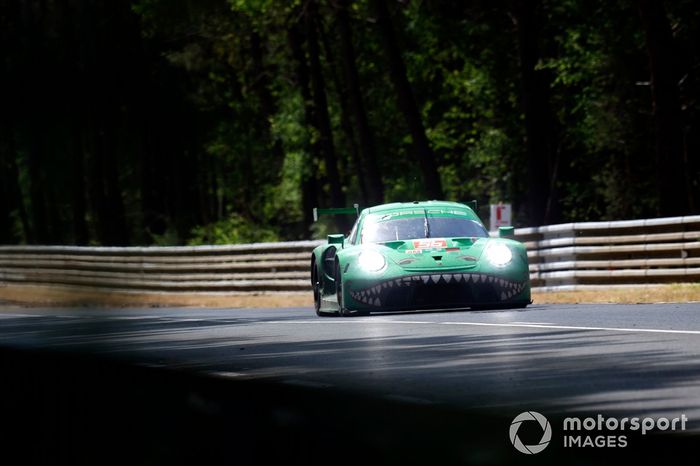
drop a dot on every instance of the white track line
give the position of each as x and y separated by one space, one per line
484 324
572 327
533 323
12 316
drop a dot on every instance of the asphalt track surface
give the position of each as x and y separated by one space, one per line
621 360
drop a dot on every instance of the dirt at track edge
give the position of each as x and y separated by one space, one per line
64 296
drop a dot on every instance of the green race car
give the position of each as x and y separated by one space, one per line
418 255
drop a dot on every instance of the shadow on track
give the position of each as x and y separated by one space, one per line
61 408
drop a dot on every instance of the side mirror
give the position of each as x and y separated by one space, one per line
336 239
506 232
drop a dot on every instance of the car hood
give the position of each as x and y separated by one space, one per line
434 253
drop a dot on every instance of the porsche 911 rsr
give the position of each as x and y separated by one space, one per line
419 255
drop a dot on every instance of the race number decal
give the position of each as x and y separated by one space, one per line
430 244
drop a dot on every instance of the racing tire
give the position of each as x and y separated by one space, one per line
316 285
339 291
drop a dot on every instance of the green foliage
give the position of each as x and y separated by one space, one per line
232 230
198 131
169 237
601 107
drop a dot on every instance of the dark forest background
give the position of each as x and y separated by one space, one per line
174 121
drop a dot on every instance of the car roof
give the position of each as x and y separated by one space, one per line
399 206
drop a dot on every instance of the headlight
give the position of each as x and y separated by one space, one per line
371 261
498 254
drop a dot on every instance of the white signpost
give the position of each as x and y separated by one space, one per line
500 216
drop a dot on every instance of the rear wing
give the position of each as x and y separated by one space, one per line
355 209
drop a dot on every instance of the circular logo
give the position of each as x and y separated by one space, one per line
546 432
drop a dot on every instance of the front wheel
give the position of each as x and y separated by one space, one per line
339 291
316 285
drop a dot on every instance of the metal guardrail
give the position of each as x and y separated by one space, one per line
628 252
564 256
241 268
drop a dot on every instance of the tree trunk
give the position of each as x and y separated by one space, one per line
37 201
540 124
673 182
115 202
30 45
407 103
323 122
80 229
7 191
105 194
12 194
261 84
368 156
8 176
309 185
17 192
345 121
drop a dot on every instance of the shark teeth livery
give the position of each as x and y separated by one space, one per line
376 295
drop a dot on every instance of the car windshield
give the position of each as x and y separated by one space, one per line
421 227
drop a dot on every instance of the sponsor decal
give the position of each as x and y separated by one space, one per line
428 243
